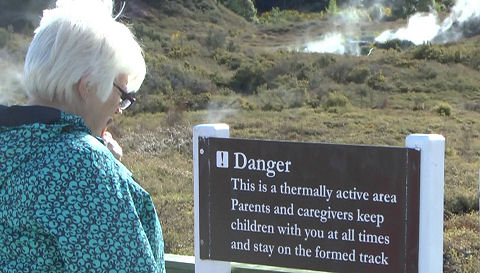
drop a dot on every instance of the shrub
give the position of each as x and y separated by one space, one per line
219 80
332 7
3 37
179 51
461 202
232 61
425 5
335 99
398 59
244 8
364 92
151 103
428 52
142 30
185 99
276 16
232 46
473 106
270 100
428 71
397 44
377 81
443 109
461 249
359 74
215 39
324 60
339 72
419 102
247 78
314 102
245 104
271 17
378 12
183 77
402 9
293 15
383 101
284 92
290 65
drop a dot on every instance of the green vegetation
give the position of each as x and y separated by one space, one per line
332 7
244 8
443 108
160 156
208 64
277 16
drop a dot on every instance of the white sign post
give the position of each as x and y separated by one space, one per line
430 248
205 130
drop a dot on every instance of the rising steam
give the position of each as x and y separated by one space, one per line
421 27
330 43
345 39
335 43
11 85
463 21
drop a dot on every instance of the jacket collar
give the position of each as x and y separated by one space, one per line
21 115
12 116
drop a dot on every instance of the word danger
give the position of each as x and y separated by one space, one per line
271 167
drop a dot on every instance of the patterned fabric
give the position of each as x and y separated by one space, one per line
66 204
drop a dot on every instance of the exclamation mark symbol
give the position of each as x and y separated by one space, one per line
222 159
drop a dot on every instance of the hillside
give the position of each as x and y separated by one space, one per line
203 50
207 64
214 66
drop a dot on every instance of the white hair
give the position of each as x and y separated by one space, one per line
80 38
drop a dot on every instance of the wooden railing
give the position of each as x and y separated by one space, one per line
186 264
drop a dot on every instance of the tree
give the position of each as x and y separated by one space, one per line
425 5
404 8
244 8
332 7
301 5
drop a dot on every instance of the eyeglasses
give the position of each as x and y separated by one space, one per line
127 98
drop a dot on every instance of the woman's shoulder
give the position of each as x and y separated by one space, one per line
84 152
77 144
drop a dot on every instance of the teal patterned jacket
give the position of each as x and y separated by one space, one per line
66 204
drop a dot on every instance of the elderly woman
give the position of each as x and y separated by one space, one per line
66 204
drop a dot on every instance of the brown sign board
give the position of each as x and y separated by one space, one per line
328 207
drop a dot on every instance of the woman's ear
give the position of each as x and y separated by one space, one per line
82 89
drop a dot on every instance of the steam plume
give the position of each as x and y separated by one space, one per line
346 38
463 21
220 111
11 85
333 42
347 22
